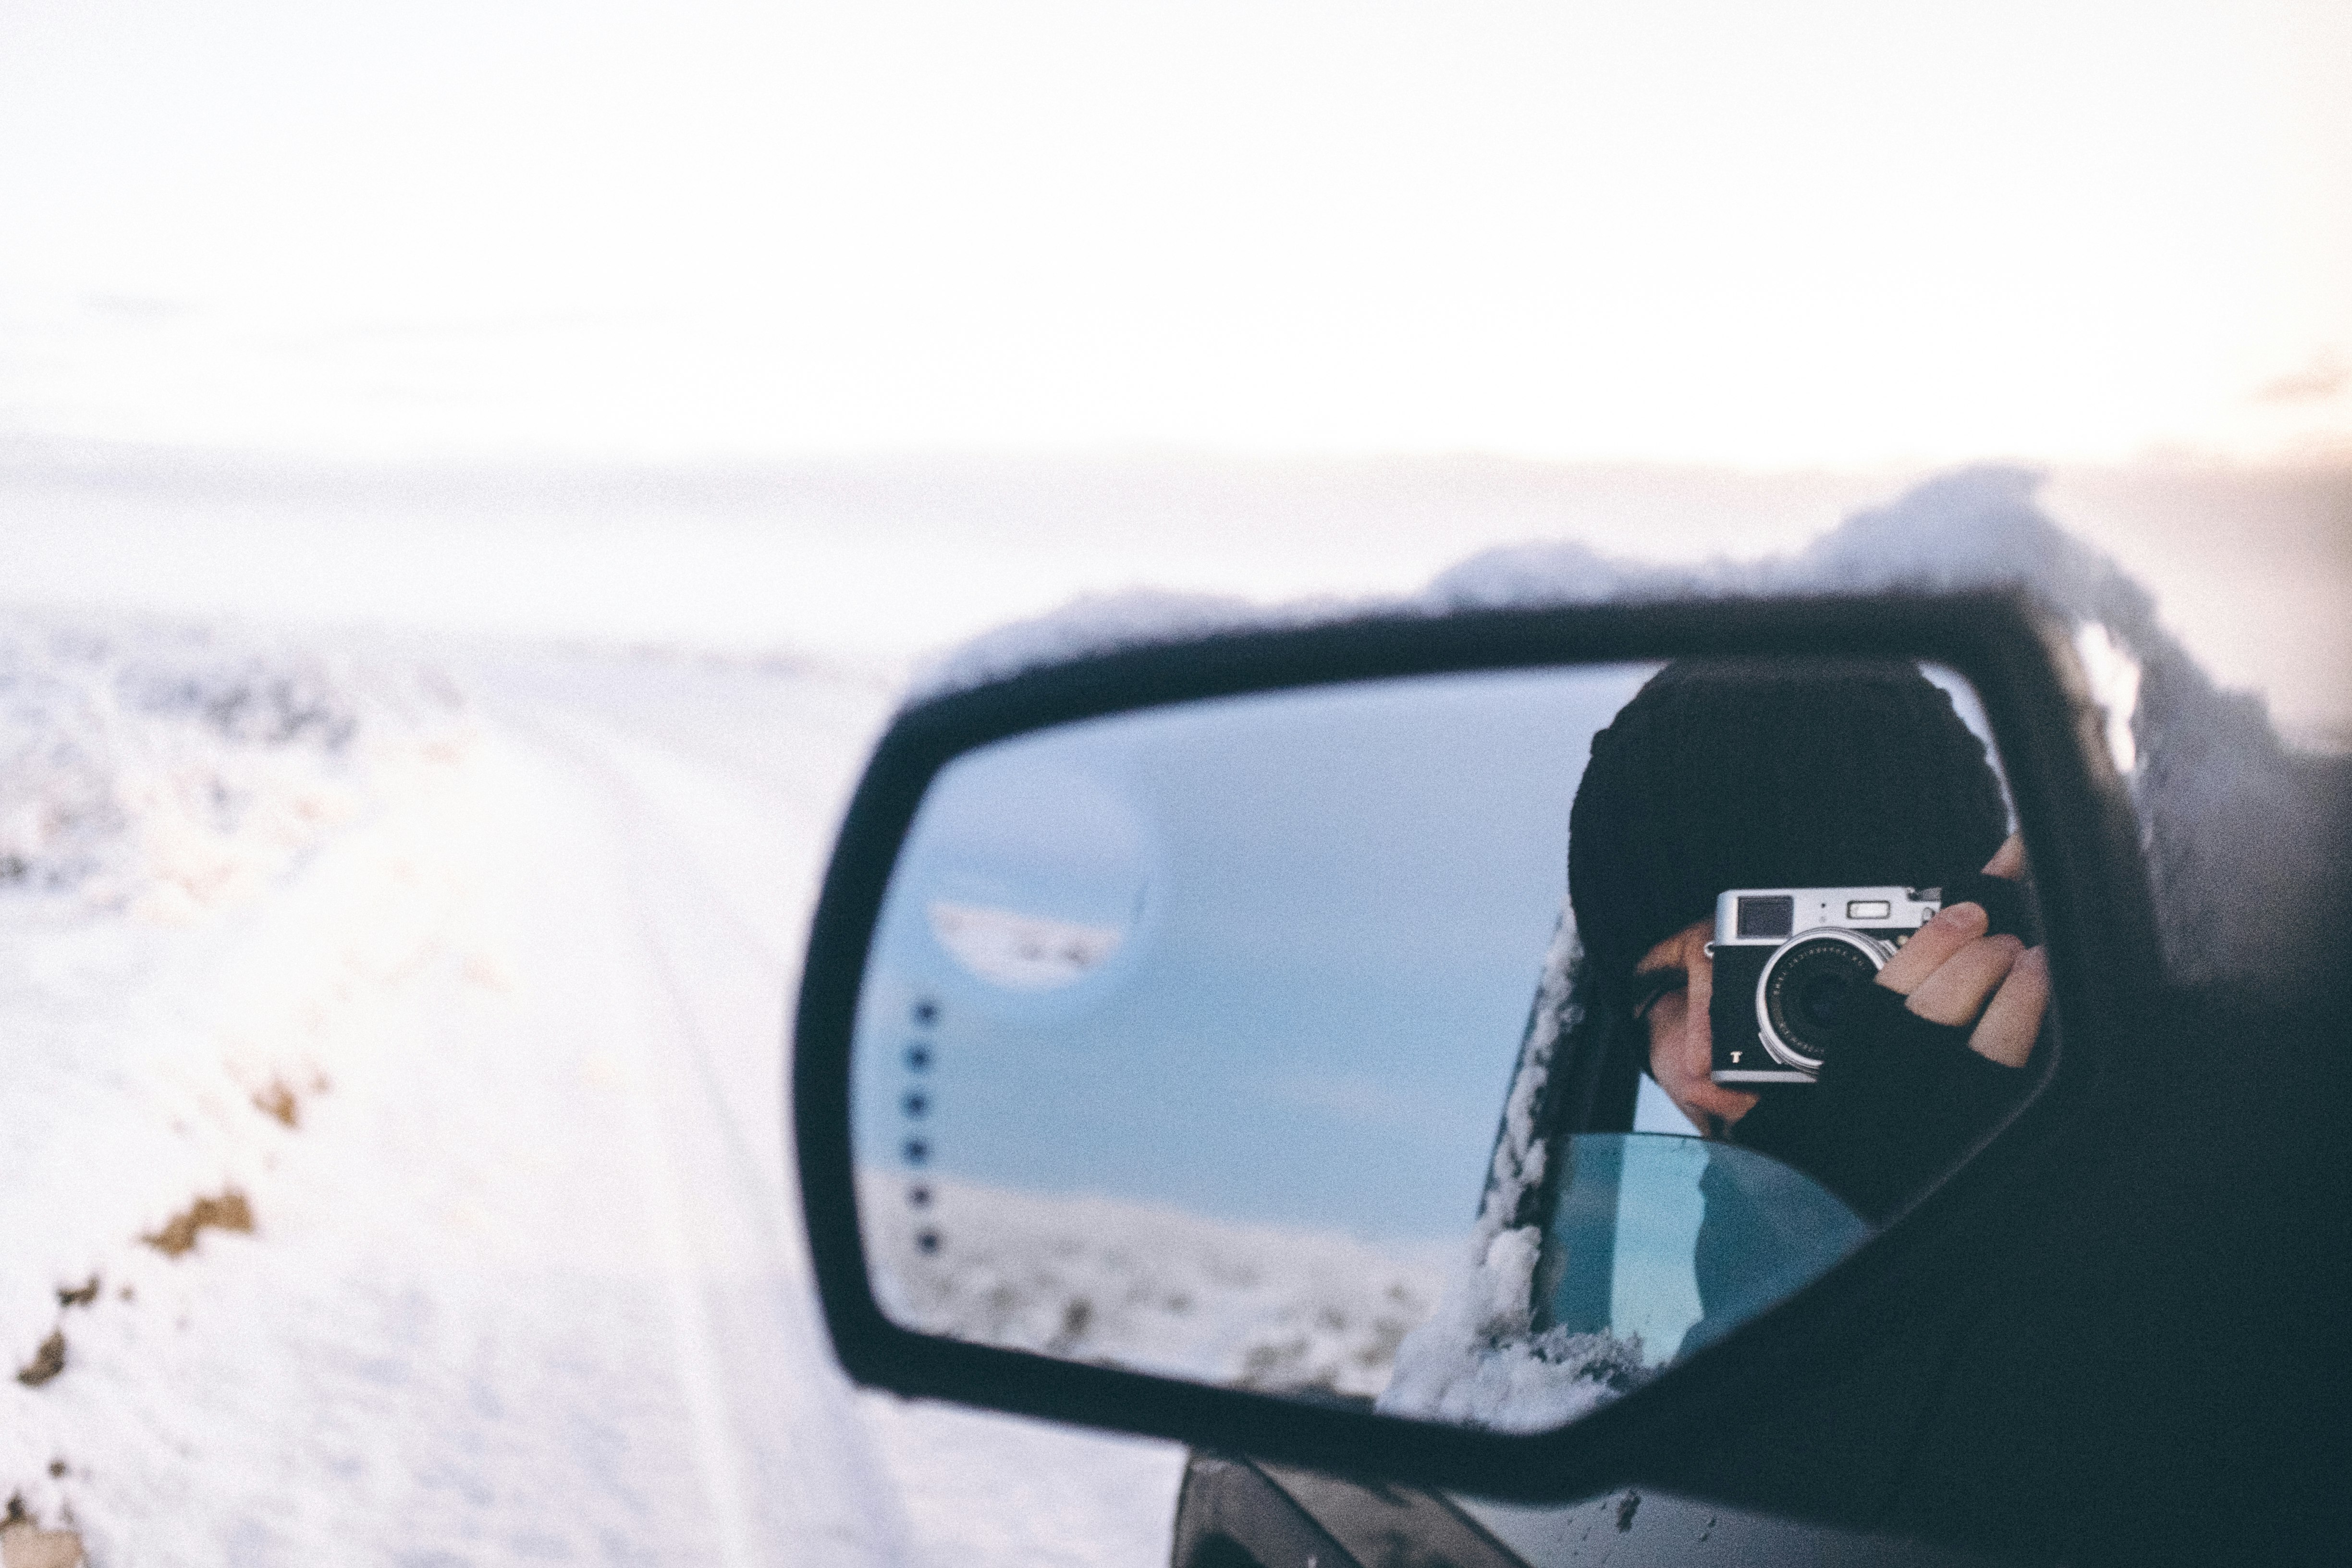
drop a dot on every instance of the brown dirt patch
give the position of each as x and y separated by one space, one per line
80 1294
279 1101
228 1212
47 1362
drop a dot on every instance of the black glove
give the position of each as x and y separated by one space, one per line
1899 1101
2008 906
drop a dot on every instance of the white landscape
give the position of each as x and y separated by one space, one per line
395 967
392 1152
1436 1329
1099 1279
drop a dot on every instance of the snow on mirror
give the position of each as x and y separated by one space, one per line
1471 1046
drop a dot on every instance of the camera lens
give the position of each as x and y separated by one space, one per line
1802 995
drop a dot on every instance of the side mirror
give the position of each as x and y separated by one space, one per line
1194 1041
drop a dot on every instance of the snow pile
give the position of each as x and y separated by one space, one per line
222 855
1102 622
1479 1363
2233 825
173 771
1153 1289
1479 1359
1022 953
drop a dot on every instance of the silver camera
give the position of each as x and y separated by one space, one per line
1785 963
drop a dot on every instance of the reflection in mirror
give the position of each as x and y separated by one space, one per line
1473 1046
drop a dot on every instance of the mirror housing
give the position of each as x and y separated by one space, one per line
2094 908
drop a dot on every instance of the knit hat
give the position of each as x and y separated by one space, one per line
1765 773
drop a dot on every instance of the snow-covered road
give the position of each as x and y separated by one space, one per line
719 789
525 1279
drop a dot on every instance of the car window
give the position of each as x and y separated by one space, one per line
1670 1241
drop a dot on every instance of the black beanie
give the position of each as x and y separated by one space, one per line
1770 772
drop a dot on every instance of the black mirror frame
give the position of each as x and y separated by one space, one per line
2096 909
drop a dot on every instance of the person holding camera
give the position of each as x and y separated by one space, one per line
1806 780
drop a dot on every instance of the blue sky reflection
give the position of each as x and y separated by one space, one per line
1318 922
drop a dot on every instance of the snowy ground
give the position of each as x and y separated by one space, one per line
1263 1306
391 1158
475 997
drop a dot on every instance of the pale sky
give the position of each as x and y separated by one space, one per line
1828 233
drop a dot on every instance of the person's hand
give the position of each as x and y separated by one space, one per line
1682 1045
1952 973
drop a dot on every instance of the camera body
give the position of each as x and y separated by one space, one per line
1785 959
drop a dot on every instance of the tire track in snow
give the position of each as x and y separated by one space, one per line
969 1489
783 1450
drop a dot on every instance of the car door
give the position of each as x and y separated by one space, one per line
1100 970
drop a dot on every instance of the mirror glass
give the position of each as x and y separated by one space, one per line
1258 1042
